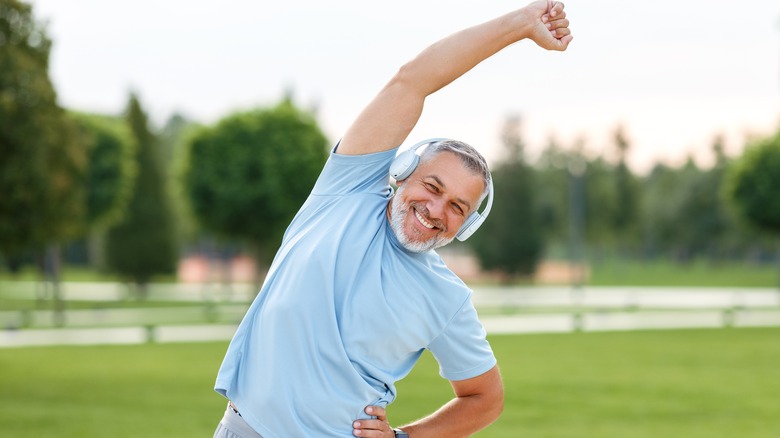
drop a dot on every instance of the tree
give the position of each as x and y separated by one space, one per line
626 192
41 162
702 220
660 203
551 180
110 179
170 139
111 167
247 176
754 184
141 245
601 202
513 244
173 141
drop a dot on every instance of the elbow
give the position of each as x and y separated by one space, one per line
497 403
406 82
492 396
404 75
492 405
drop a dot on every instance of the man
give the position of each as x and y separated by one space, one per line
356 293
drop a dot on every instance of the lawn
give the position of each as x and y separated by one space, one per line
687 383
70 273
606 271
660 272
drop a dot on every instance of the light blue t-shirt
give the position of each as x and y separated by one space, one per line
345 312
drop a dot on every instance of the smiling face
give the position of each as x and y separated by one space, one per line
433 202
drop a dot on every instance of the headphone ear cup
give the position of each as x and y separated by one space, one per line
471 225
475 219
404 164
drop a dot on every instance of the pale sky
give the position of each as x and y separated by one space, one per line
673 73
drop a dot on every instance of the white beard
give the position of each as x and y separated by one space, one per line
397 215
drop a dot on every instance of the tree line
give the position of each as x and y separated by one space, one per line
117 193
566 204
130 196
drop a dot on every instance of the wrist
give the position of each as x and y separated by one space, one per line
400 433
519 24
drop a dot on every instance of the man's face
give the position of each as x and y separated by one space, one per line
433 202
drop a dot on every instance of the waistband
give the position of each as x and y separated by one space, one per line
233 421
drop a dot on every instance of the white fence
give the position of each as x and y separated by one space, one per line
505 310
627 297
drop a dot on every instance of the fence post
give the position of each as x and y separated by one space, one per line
728 317
150 334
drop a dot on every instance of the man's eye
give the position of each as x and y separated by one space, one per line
432 187
457 209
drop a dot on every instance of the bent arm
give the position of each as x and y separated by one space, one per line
478 402
392 114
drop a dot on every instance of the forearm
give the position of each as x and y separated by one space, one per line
479 401
461 417
392 114
449 58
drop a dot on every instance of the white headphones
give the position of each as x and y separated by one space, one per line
404 164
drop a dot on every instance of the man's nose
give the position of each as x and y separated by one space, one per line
436 208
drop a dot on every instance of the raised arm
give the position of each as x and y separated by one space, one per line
392 114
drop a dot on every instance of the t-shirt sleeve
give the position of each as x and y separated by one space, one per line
462 349
345 174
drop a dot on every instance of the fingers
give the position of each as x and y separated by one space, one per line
559 17
377 411
561 39
373 428
556 22
563 42
554 11
558 28
557 8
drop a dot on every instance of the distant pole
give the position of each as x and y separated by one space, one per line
777 255
577 219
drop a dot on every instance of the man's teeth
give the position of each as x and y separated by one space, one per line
422 220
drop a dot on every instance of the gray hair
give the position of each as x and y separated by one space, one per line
470 157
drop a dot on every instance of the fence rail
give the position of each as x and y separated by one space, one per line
504 310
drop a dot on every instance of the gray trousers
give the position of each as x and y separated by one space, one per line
234 426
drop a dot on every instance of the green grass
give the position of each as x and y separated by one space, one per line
719 383
628 272
695 383
609 271
48 304
110 391
72 273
